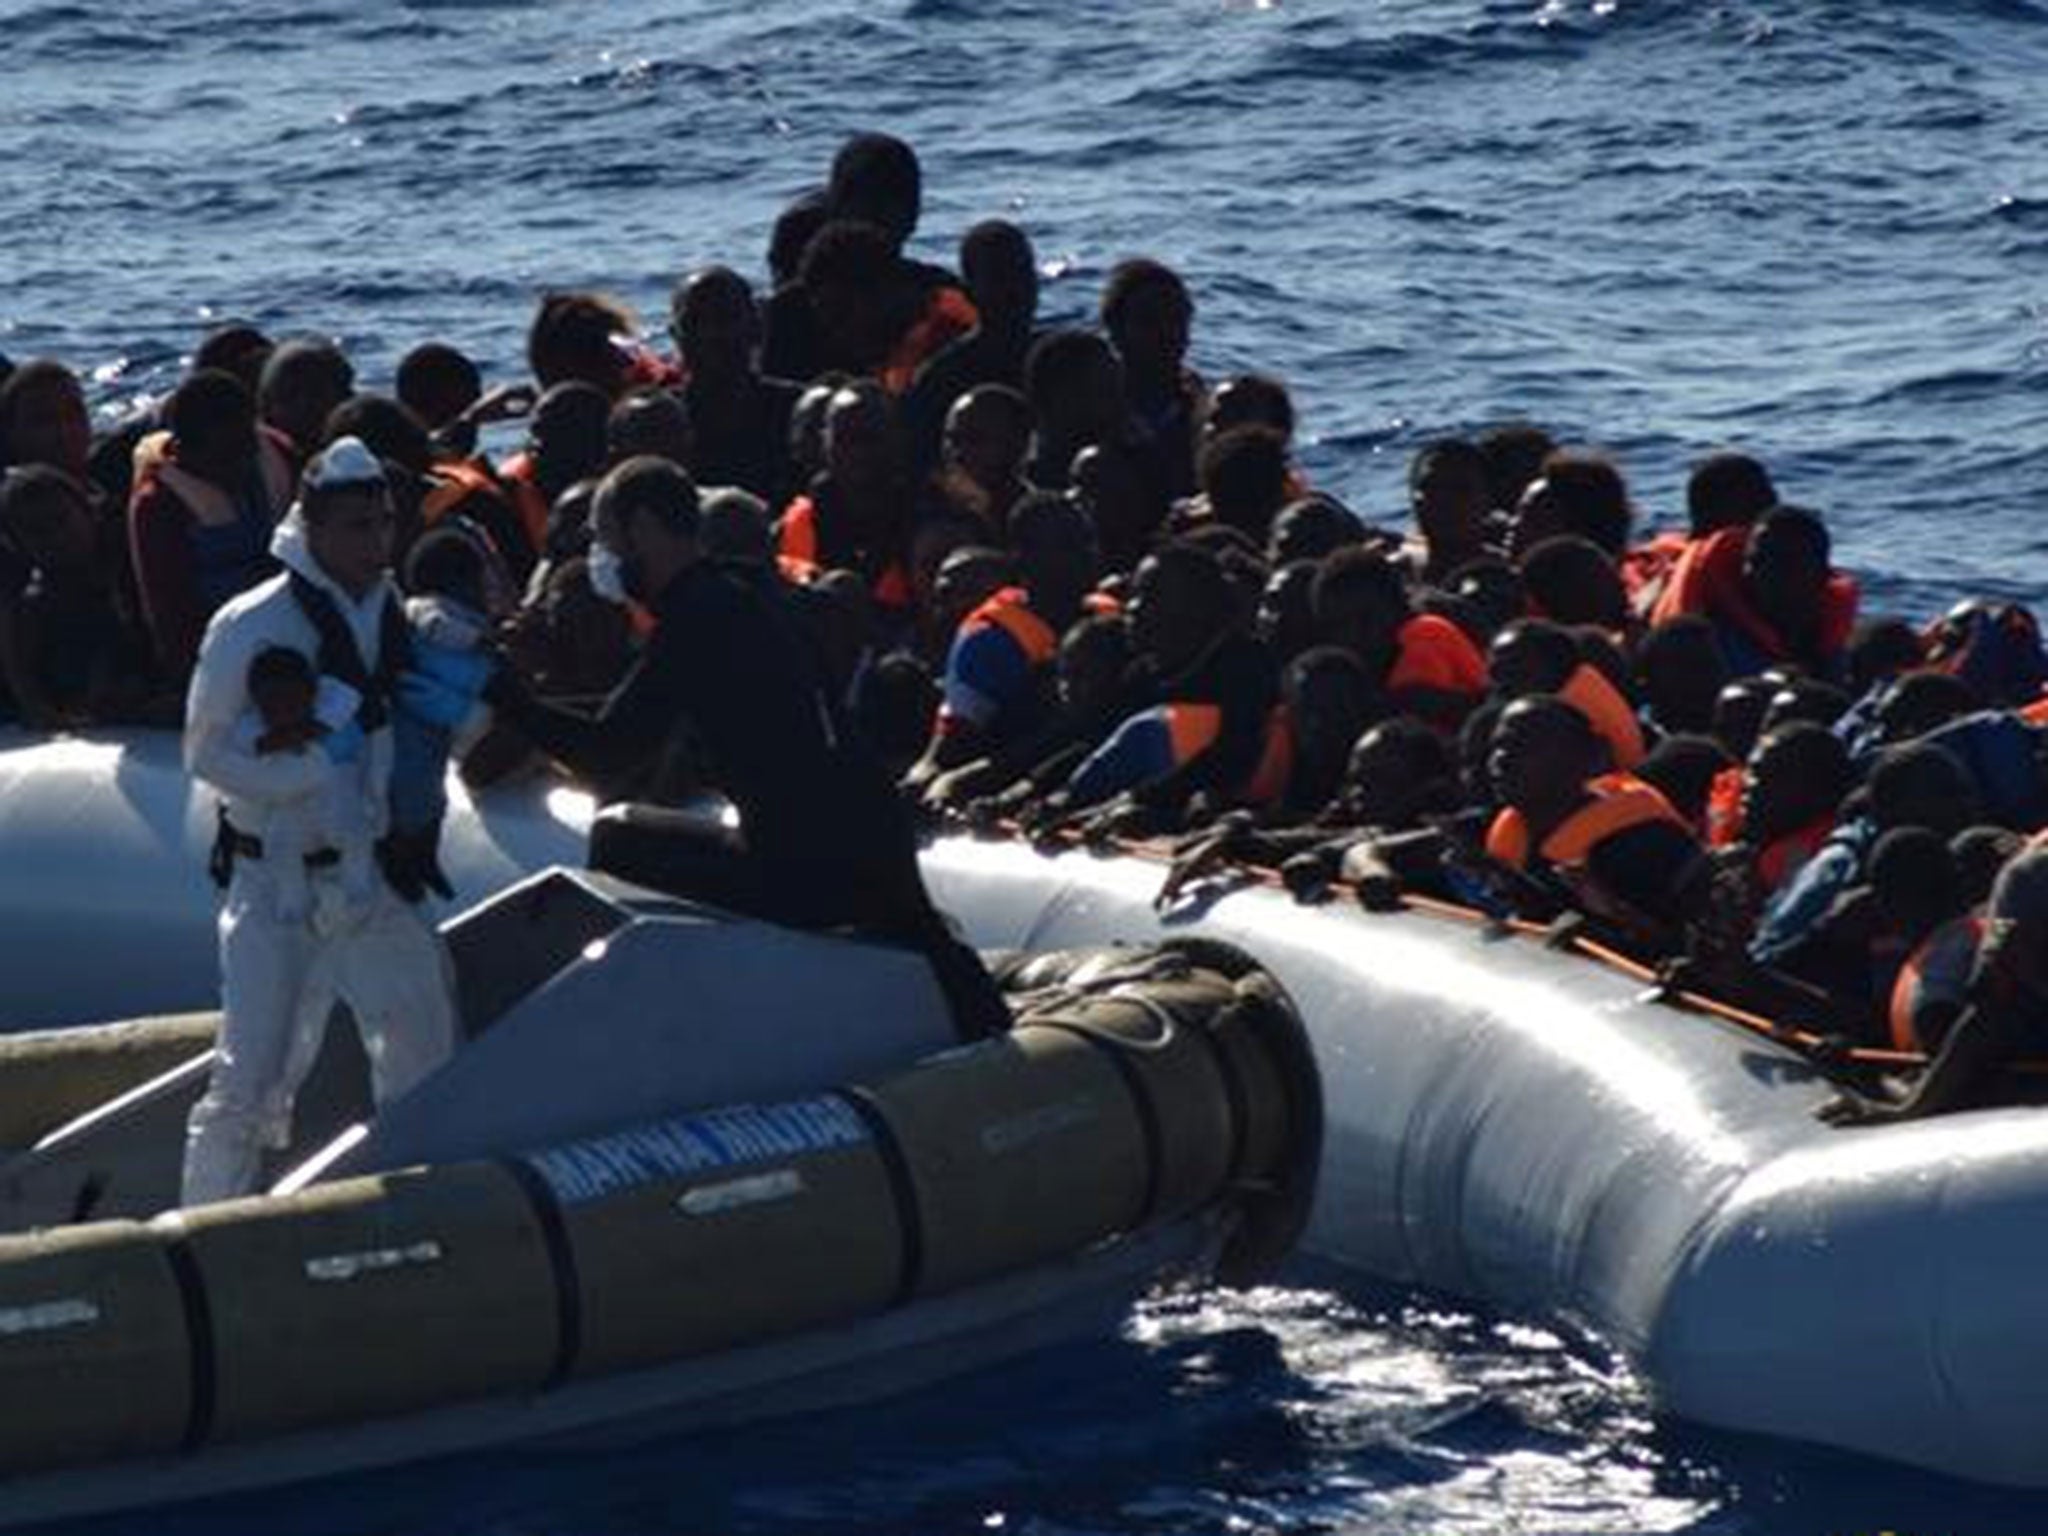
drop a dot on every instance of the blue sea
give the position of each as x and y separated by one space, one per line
1813 229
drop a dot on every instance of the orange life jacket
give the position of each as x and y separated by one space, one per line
1193 729
796 556
1937 972
1724 805
2036 713
1432 652
796 541
948 314
1620 801
1593 694
516 481
1009 609
1275 768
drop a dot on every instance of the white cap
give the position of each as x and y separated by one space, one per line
345 461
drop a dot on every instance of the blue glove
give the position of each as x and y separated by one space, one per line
433 702
344 745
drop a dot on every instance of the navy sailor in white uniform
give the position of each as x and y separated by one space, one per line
285 957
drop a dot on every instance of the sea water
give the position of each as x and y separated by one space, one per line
1812 229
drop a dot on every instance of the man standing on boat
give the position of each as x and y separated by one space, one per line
338 919
825 842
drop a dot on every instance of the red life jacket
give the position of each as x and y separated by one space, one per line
1781 859
1707 580
1724 806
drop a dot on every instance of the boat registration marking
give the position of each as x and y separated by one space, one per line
48 1316
583 1171
735 1194
331 1268
999 1137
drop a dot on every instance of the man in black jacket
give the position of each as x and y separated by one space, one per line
826 842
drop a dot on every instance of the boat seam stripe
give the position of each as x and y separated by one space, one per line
554 1234
897 1168
199 1337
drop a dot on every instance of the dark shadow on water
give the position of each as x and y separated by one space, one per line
1072 1435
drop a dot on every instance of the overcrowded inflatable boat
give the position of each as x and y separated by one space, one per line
1520 1125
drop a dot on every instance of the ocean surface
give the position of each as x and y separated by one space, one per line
1813 229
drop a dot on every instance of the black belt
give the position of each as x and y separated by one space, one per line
231 843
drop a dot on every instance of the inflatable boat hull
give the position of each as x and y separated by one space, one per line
1518 1126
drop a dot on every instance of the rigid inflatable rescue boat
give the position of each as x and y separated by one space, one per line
686 1168
1507 1122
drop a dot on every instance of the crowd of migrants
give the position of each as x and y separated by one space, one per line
1068 586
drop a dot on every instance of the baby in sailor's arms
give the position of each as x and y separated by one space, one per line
439 711
287 704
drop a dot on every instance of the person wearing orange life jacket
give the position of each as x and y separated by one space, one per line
1326 704
1611 842
859 510
2005 1014
1934 984
872 314
1919 936
1424 664
565 443
999 669
1724 490
592 339
208 495
1001 274
1213 686
1770 593
856 303
1790 789
430 489
1533 656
